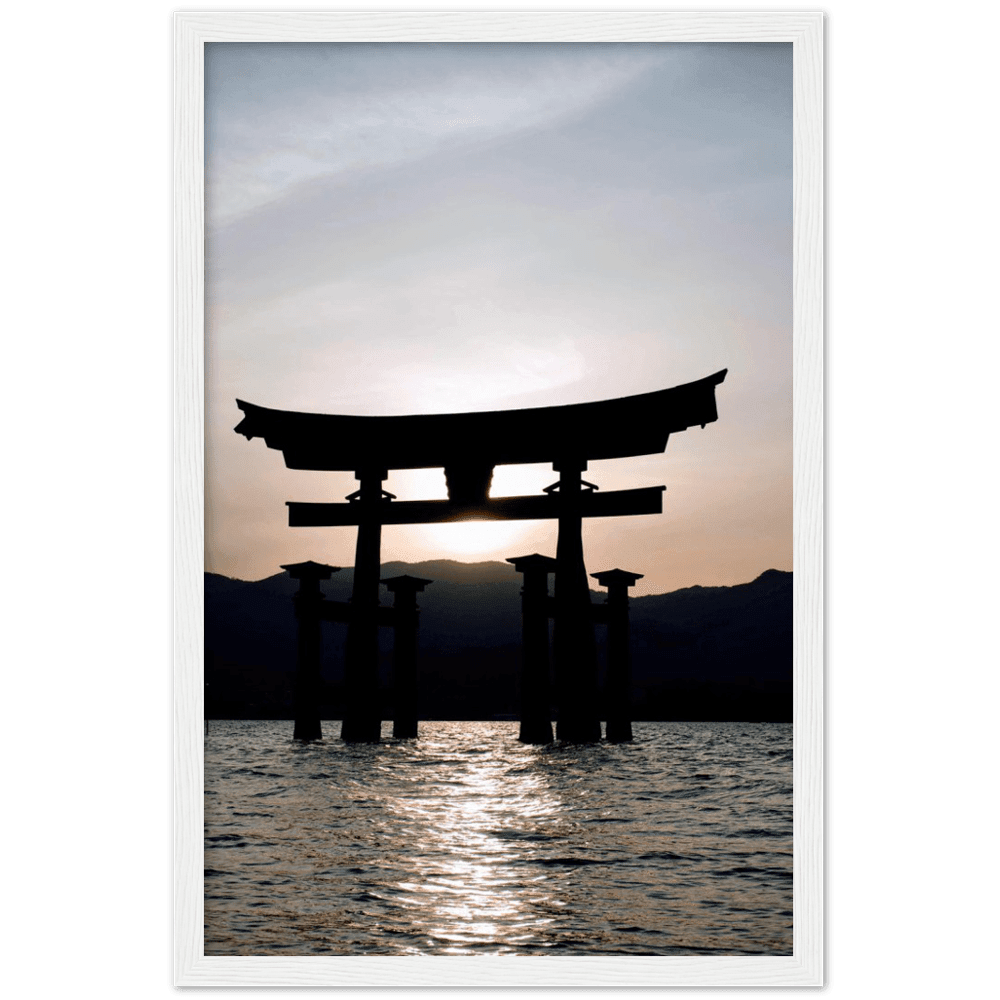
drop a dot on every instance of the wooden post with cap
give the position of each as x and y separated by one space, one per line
362 720
536 726
574 647
405 616
308 604
619 679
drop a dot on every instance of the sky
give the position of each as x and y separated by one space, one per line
410 228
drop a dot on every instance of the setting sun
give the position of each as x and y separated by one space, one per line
477 539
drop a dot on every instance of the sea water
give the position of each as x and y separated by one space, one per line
465 841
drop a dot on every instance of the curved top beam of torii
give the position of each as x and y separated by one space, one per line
610 428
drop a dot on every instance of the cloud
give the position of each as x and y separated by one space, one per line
278 116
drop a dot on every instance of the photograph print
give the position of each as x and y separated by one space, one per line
498 499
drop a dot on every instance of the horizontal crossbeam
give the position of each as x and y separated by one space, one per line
617 503
607 428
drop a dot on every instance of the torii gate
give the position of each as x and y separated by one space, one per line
468 446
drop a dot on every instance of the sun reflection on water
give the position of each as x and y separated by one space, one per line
467 842
469 889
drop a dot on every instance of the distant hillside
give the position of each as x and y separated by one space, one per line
698 653
716 632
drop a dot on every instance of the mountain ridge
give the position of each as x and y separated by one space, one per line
502 569
710 651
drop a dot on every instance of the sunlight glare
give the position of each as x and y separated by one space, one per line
470 855
481 539
474 539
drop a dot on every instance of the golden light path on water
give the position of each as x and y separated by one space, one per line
469 867
465 841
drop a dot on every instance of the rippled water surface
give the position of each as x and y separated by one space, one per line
465 841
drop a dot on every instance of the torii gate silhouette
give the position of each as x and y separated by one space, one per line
468 446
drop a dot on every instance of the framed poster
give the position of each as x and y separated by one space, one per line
386 214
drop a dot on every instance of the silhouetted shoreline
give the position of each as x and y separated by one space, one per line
699 654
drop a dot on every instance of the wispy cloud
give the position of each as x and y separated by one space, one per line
296 114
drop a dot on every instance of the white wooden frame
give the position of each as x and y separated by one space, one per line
190 966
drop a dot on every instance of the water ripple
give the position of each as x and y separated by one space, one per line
467 842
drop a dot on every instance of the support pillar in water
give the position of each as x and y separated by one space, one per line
362 721
308 601
404 652
536 726
619 678
574 646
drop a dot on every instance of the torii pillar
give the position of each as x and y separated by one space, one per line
619 677
536 727
362 721
574 646
308 602
405 615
